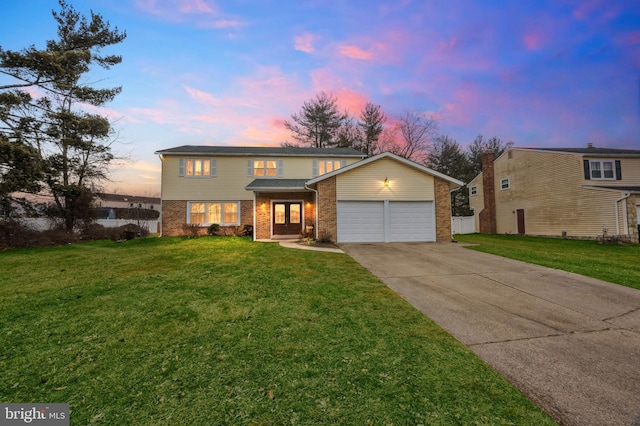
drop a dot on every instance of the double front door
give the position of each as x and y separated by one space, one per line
287 218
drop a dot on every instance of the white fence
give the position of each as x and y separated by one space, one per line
463 225
42 224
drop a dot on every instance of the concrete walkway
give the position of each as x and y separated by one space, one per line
570 343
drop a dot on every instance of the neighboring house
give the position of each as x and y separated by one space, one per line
334 193
105 200
572 192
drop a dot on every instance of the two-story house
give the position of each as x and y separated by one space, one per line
571 192
336 193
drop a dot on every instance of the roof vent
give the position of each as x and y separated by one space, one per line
589 145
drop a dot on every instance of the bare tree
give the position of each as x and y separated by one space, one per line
413 134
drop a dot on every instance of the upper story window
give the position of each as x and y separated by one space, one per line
603 169
321 167
505 183
264 168
197 167
473 190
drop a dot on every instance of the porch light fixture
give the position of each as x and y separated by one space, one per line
386 182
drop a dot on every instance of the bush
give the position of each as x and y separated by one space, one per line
191 229
213 229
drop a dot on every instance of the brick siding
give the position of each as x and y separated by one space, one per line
174 217
327 209
443 210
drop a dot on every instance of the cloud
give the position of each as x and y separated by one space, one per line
198 12
354 52
304 42
533 40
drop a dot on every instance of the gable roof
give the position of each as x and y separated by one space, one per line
261 151
392 156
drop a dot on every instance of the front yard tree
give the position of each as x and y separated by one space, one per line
73 146
317 123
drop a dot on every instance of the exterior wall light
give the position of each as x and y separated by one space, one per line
386 182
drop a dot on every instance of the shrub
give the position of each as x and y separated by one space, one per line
191 229
213 229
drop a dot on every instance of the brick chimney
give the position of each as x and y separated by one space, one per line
488 214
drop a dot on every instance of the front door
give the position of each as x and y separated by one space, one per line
287 218
520 218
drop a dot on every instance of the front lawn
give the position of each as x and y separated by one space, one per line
612 263
208 331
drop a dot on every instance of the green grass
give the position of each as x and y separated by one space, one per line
172 331
612 263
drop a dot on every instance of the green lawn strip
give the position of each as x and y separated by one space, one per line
613 263
229 331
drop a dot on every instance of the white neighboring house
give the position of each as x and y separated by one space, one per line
126 201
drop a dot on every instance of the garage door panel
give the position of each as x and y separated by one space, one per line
411 221
405 221
360 221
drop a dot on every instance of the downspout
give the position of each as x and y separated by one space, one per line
161 217
624 213
316 208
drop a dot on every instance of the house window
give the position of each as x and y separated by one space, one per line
321 167
505 184
604 170
197 167
206 213
264 168
473 190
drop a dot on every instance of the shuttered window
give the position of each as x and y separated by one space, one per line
602 170
263 168
197 167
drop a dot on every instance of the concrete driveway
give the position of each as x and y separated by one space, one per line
570 343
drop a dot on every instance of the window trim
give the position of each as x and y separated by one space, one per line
502 184
601 169
316 166
251 168
473 191
213 167
222 222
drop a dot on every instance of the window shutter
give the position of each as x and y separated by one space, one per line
343 163
249 167
279 166
314 169
181 167
214 167
618 170
587 172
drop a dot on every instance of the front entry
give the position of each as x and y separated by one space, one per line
287 218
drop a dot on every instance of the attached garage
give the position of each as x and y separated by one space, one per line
385 221
384 198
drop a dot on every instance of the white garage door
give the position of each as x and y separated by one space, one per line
391 221
360 221
411 221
